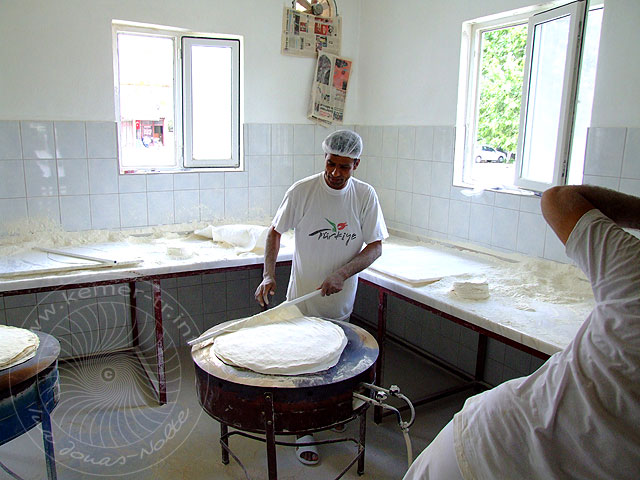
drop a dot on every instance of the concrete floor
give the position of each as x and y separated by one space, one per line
107 425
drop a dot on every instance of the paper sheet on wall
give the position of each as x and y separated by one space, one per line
329 89
303 35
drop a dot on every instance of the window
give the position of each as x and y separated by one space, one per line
519 103
178 99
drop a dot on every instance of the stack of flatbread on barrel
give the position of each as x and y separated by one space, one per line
17 345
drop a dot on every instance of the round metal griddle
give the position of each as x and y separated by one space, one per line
236 396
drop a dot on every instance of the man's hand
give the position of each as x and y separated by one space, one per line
332 284
266 288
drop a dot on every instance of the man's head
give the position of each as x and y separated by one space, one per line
342 150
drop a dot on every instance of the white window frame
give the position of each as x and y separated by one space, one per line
468 93
182 96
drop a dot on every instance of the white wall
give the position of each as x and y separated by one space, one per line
56 57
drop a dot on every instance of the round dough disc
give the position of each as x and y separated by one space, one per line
291 347
17 345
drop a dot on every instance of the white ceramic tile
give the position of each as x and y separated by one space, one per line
424 143
75 213
374 146
10 146
605 147
130 183
439 214
531 234
277 194
160 182
319 163
631 157
258 139
41 177
12 210
406 142
403 207
553 247
484 198
259 169
236 179
209 180
320 132
303 139
389 173
480 222
236 204
374 170
133 209
73 176
404 178
630 186
186 181
422 177
37 139
387 199
457 194
281 170
504 230
103 175
441 178
606 182
459 213
420 207
101 140
281 139
259 202
71 141
390 141
443 140
507 200
187 205
44 207
303 167
12 183
105 211
530 204
160 208
212 204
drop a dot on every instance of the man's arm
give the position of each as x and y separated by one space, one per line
334 282
562 207
268 285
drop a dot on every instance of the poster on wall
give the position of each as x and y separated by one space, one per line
303 35
329 89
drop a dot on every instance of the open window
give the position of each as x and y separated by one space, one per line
178 99
523 97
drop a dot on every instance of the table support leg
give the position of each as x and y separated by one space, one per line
382 333
157 310
272 463
363 434
224 430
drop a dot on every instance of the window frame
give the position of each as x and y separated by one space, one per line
469 93
181 131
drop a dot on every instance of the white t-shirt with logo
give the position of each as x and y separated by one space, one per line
330 228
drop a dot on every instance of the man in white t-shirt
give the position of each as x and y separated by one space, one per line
577 416
333 215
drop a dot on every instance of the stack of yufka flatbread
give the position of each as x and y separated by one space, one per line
17 345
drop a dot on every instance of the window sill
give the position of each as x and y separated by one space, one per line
473 190
144 171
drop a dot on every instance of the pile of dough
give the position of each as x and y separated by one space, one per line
17 345
477 289
290 347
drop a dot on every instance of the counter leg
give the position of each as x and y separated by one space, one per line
382 333
135 333
157 310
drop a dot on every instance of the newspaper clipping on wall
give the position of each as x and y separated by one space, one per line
329 89
303 34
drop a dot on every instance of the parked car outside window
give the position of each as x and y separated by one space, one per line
486 154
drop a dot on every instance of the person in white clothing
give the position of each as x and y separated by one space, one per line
333 216
577 416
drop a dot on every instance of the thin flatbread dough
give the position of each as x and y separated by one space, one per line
290 347
17 345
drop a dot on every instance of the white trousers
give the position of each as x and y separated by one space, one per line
438 460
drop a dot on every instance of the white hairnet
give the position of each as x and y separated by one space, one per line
343 143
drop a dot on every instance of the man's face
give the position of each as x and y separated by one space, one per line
338 170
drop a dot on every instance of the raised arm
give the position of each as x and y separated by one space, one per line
334 282
562 207
268 285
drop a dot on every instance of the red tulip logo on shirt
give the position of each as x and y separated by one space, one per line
342 225
336 232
